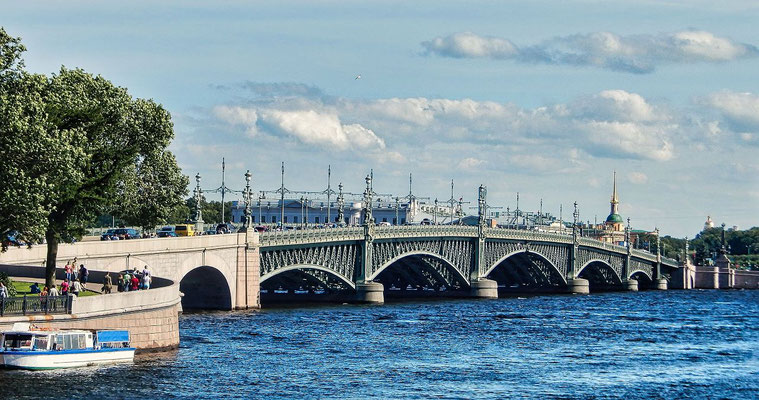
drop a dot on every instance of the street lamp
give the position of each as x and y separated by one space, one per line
248 200
301 211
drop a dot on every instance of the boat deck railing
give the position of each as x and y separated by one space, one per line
30 305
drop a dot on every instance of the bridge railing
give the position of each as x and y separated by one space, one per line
291 237
27 305
520 234
399 231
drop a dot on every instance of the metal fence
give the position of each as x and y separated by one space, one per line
27 305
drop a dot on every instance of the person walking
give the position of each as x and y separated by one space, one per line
146 281
65 287
53 291
120 283
76 287
135 283
68 268
107 283
3 290
83 274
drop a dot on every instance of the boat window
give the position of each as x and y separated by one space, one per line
17 340
40 342
70 341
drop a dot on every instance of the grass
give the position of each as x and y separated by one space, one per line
22 288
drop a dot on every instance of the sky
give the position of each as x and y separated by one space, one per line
541 98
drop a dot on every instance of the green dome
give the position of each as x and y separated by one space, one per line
614 218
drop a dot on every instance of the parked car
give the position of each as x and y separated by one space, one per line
225 228
166 231
184 230
209 232
108 235
126 233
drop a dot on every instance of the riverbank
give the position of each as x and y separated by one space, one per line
151 316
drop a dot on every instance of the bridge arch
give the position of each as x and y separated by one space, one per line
600 274
445 272
205 287
550 276
283 270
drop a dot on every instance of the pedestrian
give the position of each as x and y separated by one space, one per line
43 298
3 290
127 282
120 283
83 274
135 283
146 281
53 291
65 287
107 284
76 287
68 269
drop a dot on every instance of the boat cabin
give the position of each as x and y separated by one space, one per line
63 340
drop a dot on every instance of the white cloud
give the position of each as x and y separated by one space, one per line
617 105
741 110
633 53
308 126
637 178
469 45
470 163
610 124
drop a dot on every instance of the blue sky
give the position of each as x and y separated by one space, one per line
545 98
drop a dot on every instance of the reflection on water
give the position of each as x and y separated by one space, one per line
670 344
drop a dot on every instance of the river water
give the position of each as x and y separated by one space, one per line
672 344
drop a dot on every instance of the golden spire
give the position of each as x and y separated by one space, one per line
614 199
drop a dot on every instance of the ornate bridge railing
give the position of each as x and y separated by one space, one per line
413 231
308 236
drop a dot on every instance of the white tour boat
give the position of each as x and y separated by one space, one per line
50 349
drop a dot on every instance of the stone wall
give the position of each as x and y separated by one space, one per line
151 316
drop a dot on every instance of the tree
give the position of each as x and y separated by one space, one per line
32 152
93 148
151 192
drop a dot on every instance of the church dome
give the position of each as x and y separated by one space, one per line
614 218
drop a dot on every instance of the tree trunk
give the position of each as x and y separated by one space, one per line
52 255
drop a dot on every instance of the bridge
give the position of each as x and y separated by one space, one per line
368 263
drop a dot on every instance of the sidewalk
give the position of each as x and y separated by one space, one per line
90 286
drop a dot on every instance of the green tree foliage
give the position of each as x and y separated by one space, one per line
8 283
75 145
211 211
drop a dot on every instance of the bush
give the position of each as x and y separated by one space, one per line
8 284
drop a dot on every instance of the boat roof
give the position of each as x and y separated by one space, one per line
45 332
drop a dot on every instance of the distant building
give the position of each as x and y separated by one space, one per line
613 229
320 211
709 224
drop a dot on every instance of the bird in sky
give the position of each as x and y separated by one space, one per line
358 77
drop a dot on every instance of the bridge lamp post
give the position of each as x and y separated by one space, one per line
576 215
198 199
261 196
305 206
301 211
248 200
368 219
340 204
397 204
434 215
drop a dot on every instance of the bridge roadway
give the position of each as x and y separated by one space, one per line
368 263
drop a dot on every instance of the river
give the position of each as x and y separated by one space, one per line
654 344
